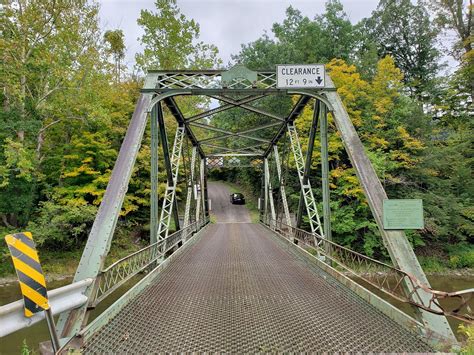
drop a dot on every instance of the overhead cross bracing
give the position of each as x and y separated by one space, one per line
256 139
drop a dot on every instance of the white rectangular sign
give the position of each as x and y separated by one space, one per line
297 76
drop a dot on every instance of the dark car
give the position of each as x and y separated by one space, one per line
237 199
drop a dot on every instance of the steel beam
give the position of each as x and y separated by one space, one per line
226 133
189 196
325 172
268 191
200 203
167 161
176 112
248 107
100 236
250 149
282 185
169 199
222 108
205 195
309 199
309 158
154 174
234 155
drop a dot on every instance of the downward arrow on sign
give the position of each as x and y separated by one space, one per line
319 80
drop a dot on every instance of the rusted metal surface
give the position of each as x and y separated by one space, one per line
236 290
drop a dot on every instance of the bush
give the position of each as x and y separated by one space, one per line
461 256
62 227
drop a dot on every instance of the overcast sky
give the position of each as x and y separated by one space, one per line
224 23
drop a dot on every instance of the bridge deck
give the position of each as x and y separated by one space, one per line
238 290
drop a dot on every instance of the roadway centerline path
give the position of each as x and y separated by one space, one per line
237 290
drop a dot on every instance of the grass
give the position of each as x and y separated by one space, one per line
250 200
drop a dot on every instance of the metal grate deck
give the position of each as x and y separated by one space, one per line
237 290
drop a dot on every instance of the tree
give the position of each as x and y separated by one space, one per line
50 50
116 47
456 15
405 32
169 40
301 40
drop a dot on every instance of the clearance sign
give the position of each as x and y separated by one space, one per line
28 268
300 76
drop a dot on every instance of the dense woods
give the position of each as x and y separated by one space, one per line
67 98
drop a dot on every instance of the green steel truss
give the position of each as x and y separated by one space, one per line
216 147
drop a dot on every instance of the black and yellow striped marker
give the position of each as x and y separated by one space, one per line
28 268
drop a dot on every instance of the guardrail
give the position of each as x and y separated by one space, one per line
115 275
62 299
388 279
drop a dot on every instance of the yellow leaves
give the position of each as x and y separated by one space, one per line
385 85
403 159
378 142
350 86
409 142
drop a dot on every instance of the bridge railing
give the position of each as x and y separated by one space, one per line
121 271
379 275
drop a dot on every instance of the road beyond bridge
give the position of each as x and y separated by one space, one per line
238 289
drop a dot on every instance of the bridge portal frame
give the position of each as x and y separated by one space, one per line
161 87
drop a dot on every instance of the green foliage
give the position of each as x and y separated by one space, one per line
461 256
169 40
116 48
404 31
60 226
25 350
301 40
468 344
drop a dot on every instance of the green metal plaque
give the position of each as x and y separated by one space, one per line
403 214
238 72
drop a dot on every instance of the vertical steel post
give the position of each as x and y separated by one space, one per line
308 196
269 192
325 173
309 157
262 194
205 192
282 185
201 210
189 196
200 196
166 156
170 193
52 330
154 174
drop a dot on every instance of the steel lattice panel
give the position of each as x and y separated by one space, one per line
236 290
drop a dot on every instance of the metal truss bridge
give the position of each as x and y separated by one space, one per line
233 285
